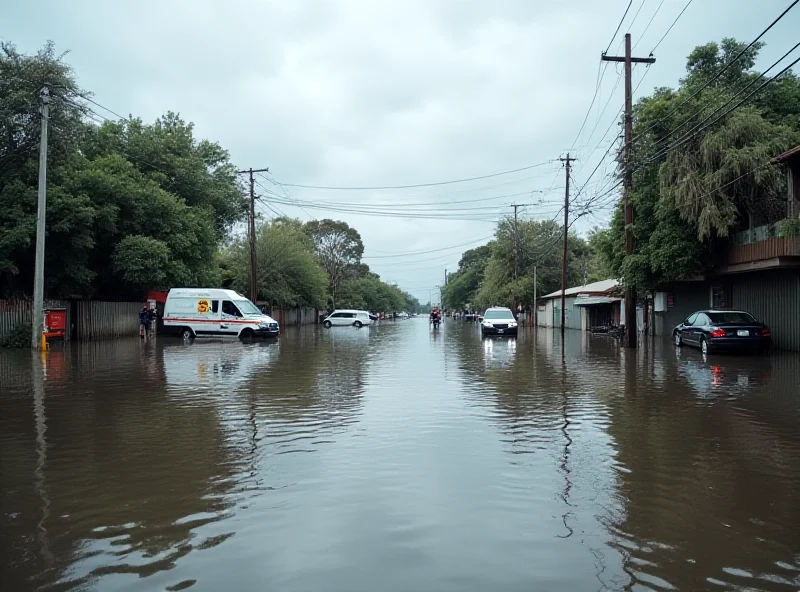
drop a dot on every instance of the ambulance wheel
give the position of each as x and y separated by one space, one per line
246 335
187 333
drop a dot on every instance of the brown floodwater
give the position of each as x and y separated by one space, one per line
397 459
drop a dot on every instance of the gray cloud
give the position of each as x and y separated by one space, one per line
378 93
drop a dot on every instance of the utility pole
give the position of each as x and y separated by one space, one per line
567 162
251 233
516 241
630 291
38 274
535 311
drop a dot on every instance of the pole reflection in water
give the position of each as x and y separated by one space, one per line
38 373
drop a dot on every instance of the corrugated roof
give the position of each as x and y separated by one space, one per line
788 154
592 300
600 287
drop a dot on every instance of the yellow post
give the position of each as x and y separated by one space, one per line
43 343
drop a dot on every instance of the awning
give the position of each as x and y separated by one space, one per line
595 300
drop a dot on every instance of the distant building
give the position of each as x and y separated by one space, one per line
598 303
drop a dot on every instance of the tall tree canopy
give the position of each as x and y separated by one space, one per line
130 205
485 276
339 249
702 174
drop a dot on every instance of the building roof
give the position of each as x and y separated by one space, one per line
595 300
788 155
600 287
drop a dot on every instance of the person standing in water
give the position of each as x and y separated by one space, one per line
144 321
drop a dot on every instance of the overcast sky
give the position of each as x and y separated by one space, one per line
367 93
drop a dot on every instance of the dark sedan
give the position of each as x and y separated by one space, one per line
713 330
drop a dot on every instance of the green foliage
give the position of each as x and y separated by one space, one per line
109 188
789 227
19 336
690 198
288 272
486 277
142 261
339 249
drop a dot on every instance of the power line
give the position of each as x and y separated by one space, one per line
650 22
480 240
652 51
618 26
717 74
700 127
375 188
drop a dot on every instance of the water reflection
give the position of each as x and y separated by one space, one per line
394 458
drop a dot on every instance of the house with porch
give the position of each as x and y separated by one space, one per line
758 271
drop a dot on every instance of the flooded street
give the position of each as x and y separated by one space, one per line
394 459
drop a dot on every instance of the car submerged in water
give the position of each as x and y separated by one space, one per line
498 321
716 330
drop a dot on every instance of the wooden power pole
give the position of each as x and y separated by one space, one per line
627 181
567 162
251 233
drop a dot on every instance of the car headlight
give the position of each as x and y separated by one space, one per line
512 324
486 324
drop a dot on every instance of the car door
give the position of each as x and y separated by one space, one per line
701 327
686 329
337 319
230 314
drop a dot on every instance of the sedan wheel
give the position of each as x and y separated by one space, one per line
327 324
704 345
678 340
357 324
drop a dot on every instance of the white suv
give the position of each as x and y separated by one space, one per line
498 321
353 318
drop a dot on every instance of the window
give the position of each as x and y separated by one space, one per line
735 318
248 307
499 315
215 306
337 315
349 315
229 308
690 321
701 321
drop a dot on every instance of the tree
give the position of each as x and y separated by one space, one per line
288 272
115 191
339 248
698 180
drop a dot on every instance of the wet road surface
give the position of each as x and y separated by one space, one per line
394 459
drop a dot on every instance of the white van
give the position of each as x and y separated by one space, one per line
356 318
192 312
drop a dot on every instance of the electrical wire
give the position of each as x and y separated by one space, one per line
618 26
717 74
680 14
433 184
700 127
650 22
480 240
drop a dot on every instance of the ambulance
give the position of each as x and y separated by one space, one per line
212 312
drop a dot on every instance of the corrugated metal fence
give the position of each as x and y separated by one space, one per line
104 320
17 312
290 317
773 298
94 319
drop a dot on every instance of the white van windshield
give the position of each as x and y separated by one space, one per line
247 307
